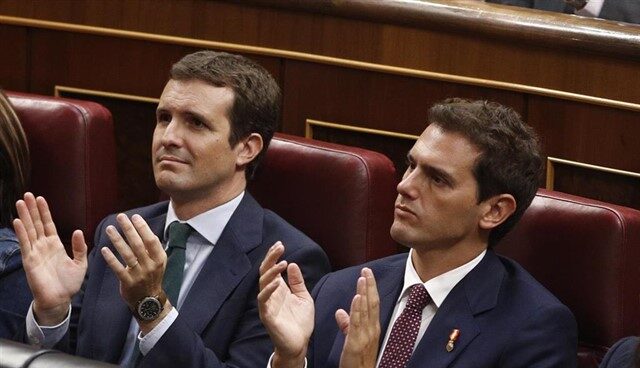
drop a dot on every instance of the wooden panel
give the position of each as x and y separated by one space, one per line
461 37
607 187
14 60
589 134
168 16
100 63
394 148
368 99
512 61
109 64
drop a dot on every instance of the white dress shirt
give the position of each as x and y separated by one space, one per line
438 288
208 227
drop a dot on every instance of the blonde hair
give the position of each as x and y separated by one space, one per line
14 161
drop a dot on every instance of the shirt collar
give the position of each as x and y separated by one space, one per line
209 224
439 286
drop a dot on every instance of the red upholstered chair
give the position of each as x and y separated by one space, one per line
587 253
72 157
340 196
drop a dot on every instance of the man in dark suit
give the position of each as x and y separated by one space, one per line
451 301
196 307
621 10
550 5
617 10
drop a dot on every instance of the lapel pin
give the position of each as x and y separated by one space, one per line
453 336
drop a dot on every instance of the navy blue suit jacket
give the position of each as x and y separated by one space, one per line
505 318
622 354
218 324
617 10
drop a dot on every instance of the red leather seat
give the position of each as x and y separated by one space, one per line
587 253
340 196
73 159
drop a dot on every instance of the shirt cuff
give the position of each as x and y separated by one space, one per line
45 336
148 341
271 357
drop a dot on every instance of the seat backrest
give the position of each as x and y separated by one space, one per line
342 197
587 253
73 159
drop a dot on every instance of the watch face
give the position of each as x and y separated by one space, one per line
149 308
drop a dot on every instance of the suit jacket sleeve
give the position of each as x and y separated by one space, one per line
311 350
546 339
69 342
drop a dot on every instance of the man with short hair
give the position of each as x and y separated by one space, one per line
195 305
451 301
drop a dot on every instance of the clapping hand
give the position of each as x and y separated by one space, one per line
286 310
362 325
145 261
52 275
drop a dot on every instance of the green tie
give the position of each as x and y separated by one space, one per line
178 235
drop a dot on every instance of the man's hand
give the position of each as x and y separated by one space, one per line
286 311
362 326
145 261
53 277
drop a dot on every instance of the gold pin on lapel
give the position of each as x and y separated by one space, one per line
453 337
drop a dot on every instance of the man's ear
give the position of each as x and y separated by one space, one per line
248 148
496 210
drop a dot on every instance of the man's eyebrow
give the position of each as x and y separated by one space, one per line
439 172
193 114
190 114
432 170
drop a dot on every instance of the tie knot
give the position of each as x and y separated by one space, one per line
418 297
178 234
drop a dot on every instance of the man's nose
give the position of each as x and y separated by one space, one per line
406 187
172 135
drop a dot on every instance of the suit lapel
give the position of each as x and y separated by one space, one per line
390 284
475 293
453 313
226 266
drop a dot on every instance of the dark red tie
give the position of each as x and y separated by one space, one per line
405 330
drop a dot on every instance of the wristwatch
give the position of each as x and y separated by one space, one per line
149 308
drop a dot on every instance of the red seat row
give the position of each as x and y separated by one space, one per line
586 252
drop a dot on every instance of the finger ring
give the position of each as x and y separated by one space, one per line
133 265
